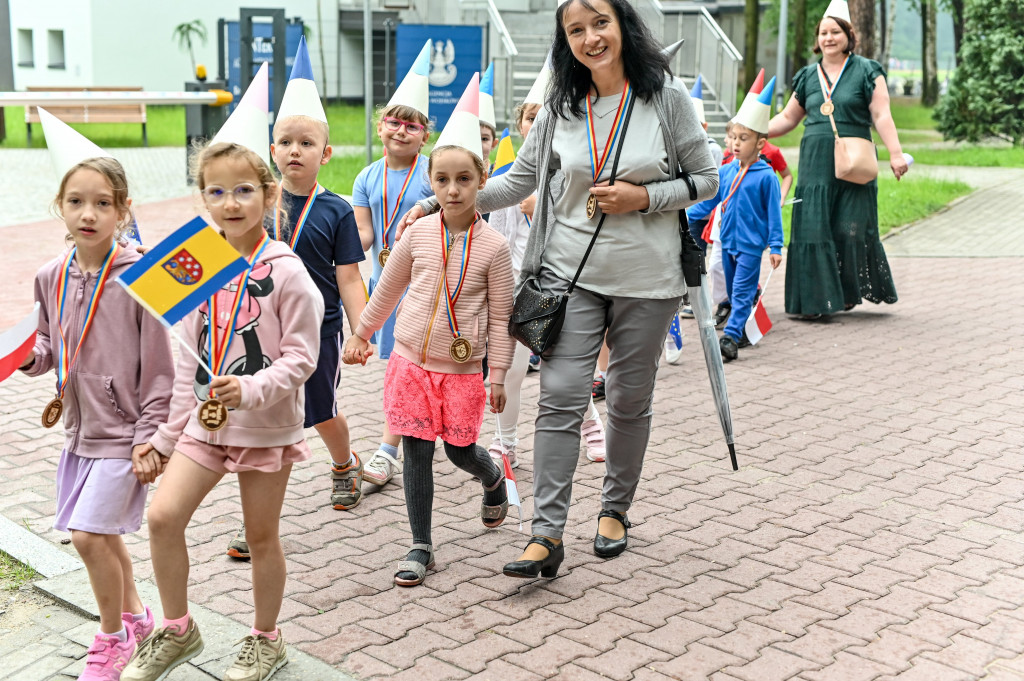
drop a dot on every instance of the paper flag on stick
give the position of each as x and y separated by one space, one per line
758 323
16 343
506 155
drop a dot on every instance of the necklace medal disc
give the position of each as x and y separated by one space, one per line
460 349
827 108
213 415
52 412
591 207
383 256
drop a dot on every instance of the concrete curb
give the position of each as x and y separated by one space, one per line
67 583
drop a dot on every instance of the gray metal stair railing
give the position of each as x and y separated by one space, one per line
504 64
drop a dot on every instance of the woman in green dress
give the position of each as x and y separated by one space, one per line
835 257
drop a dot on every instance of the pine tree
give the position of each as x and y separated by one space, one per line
986 96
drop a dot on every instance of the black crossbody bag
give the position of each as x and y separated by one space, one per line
537 315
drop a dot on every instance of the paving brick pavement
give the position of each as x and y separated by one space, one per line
875 529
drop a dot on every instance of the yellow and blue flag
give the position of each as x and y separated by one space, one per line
506 155
182 271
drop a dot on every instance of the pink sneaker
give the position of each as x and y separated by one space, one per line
593 435
141 629
107 658
497 448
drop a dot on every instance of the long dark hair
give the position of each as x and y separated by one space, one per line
644 64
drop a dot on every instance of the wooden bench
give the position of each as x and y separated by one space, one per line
90 113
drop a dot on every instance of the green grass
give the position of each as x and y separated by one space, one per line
165 126
913 121
972 155
14 574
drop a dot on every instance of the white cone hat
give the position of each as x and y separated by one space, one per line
697 97
414 90
487 97
539 91
67 146
670 50
248 124
301 97
463 128
756 111
838 9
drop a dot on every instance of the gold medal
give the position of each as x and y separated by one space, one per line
460 349
383 256
827 108
591 207
52 412
213 415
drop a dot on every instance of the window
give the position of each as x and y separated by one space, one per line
25 51
55 49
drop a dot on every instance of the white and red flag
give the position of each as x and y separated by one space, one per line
758 323
510 487
15 343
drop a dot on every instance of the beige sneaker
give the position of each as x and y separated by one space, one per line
258 659
161 652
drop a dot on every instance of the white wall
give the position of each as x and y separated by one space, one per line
130 42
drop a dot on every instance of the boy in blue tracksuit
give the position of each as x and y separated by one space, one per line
751 210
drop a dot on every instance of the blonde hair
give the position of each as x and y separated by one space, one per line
402 112
437 151
322 126
113 172
229 150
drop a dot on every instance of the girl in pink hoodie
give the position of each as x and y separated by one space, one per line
260 335
114 372
459 277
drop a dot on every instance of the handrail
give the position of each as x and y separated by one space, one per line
495 16
719 33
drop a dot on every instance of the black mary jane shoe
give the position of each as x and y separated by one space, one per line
609 548
546 568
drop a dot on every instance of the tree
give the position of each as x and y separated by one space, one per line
751 20
888 25
862 12
799 23
188 32
929 54
956 8
986 95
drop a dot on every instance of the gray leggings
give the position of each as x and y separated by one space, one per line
636 329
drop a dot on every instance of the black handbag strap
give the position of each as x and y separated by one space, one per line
611 181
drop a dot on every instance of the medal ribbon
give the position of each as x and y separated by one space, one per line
388 220
451 298
64 361
826 89
300 223
597 165
734 186
218 349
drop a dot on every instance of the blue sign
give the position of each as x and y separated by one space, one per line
457 53
262 51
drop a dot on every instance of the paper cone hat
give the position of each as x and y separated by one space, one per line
839 10
756 110
414 90
697 96
487 97
67 146
301 97
670 50
463 128
539 91
248 123
755 89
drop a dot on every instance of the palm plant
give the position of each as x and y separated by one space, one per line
188 32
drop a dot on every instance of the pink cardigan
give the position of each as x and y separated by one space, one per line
422 335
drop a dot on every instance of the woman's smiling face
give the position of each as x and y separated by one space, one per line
594 35
831 39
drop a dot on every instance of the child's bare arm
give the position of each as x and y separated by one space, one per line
352 292
364 222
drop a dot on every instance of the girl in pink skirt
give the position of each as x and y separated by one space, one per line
114 372
459 277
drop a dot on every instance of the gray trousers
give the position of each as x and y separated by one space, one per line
636 329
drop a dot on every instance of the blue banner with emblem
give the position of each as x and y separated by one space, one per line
457 53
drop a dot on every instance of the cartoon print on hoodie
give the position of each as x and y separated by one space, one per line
260 285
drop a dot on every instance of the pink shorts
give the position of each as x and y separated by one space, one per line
428 405
229 459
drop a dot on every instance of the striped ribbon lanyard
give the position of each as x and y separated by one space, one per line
301 222
734 186
452 297
388 218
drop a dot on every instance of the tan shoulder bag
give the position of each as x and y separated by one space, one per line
856 158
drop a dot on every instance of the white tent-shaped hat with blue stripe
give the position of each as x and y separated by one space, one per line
756 111
414 90
487 97
301 97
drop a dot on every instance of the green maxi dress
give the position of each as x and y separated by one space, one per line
835 257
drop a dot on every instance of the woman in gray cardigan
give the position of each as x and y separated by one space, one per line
603 55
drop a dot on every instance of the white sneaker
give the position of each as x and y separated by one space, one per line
381 468
497 448
593 436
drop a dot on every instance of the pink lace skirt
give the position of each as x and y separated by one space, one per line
429 405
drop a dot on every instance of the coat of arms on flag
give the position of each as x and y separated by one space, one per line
184 268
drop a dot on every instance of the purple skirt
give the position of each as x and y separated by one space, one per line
101 496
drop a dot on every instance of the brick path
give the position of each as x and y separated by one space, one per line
875 529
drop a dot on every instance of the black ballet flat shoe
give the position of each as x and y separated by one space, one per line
609 548
546 568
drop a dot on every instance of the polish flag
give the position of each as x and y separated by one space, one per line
513 491
16 343
758 323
